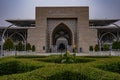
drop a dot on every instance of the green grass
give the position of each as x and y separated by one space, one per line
50 68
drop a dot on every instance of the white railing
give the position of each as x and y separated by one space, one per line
100 53
105 53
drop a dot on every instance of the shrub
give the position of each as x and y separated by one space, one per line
20 47
105 47
96 47
67 58
8 45
116 45
119 45
28 47
33 48
91 48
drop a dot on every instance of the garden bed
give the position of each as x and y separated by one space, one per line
15 67
112 67
45 68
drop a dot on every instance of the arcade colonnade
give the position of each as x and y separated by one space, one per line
108 36
17 35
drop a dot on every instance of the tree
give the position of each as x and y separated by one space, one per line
28 46
91 48
33 48
20 47
8 45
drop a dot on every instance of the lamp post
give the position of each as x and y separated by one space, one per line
1 53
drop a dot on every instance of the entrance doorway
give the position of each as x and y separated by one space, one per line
61 38
62 44
61 47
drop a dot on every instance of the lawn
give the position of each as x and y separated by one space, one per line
51 68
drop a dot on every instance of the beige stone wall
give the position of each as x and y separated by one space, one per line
86 36
36 39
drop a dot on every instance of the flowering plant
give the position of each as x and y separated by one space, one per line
67 58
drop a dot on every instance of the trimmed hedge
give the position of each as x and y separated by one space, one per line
96 48
28 47
92 70
112 67
15 66
58 59
20 46
33 48
68 75
91 48
29 57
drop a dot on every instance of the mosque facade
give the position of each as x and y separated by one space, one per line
57 29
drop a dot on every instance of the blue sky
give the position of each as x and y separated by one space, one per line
25 9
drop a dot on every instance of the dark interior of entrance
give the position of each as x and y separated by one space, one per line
61 47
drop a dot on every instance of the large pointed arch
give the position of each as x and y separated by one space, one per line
110 34
18 34
62 30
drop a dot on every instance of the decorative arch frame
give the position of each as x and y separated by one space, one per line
64 28
19 35
106 34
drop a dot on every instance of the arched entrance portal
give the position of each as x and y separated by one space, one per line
61 38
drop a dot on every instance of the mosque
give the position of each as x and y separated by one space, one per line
57 29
